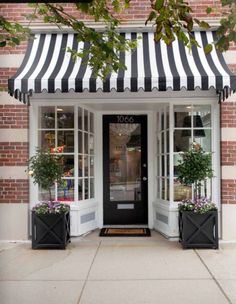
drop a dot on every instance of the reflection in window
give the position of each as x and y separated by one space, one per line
125 162
192 124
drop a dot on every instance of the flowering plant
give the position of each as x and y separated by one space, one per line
51 207
198 205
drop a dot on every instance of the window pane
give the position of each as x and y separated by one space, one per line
66 190
85 120
80 142
181 143
167 189
91 122
162 142
65 140
46 139
163 188
68 165
163 165
202 115
43 195
162 121
80 189
65 117
158 188
86 166
167 142
80 118
204 141
91 166
91 187
158 165
80 165
167 119
86 143
91 144
181 192
46 118
86 189
182 116
177 157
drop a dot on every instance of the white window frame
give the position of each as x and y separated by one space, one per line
33 140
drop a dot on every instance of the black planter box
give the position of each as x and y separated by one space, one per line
50 230
198 230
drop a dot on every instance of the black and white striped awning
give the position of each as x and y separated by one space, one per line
48 66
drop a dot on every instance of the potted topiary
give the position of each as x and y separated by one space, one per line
198 217
50 219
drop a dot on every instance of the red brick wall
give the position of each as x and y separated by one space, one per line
14 191
13 153
5 74
14 117
138 10
228 191
228 115
228 153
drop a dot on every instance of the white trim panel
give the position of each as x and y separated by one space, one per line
12 172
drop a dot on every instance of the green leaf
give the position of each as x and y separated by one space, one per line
208 10
204 25
151 16
3 43
15 40
159 4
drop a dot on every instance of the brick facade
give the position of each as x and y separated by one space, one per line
14 116
14 153
228 115
138 11
14 191
228 191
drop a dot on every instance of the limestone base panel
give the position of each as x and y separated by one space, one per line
14 219
229 222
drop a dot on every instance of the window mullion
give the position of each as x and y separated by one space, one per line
76 155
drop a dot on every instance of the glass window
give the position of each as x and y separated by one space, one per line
192 124
65 117
46 118
57 132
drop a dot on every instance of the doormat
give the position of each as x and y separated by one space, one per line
125 232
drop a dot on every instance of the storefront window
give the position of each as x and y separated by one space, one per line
190 123
59 132
163 154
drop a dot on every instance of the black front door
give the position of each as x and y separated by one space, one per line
125 184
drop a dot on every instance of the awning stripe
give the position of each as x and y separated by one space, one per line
173 68
146 61
49 66
159 61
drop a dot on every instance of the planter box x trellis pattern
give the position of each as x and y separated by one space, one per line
50 230
198 230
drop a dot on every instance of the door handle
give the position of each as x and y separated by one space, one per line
144 178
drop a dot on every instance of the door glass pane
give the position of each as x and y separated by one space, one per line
125 162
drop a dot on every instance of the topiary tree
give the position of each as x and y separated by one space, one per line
45 168
194 168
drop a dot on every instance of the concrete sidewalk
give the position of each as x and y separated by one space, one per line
95 270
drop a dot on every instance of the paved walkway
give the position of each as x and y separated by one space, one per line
118 270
